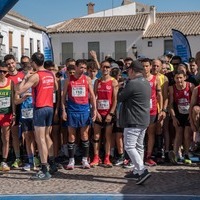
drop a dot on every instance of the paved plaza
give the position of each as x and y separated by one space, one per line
169 180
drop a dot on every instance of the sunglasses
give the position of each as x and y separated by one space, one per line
106 66
2 71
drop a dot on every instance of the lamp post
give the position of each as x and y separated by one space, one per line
134 50
1 39
1 42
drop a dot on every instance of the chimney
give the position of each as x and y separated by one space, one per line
90 6
126 2
153 13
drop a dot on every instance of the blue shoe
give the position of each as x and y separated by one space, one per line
28 167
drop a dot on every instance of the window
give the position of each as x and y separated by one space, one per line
22 44
67 51
150 44
120 50
10 41
15 51
31 47
168 45
38 46
94 46
26 52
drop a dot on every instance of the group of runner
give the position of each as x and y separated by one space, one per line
69 106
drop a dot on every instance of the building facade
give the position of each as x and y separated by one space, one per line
20 36
115 31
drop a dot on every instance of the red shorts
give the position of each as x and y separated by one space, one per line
5 119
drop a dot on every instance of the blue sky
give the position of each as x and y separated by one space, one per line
47 12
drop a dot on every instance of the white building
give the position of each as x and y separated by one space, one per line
21 36
116 30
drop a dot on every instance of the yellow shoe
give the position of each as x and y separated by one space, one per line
187 160
4 167
17 163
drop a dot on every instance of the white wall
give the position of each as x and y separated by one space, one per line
80 42
129 9
158 46
17 32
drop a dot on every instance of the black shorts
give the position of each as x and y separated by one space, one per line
183 119
27 125
103 123
117 129
153 119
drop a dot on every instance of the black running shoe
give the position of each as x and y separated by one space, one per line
143 177
53 168
131 176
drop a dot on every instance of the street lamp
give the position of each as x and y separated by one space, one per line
1 42
134 50
1 39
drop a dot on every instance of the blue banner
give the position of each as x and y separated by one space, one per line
5 6
181 45
47 47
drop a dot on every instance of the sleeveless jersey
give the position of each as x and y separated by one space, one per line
5 98
182 99
43 92
153 100
27 107
104 96
162 81
78 97
16 78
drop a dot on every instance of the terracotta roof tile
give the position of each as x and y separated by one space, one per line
186 22
102 24
33 24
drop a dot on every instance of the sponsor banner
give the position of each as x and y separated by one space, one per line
5 6
181 45
47 47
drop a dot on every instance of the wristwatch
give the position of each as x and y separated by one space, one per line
112 114
165 110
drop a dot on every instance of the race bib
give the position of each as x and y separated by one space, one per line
27 113
151 104
103 105
5 102
78 91
54 97
184 109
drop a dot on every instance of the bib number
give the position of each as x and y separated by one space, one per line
54 97
27 113
103 105
151 104
78 91
183 109
5 102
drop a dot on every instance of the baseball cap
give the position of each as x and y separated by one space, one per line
114 65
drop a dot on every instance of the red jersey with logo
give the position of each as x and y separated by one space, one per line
16 78
43 92
182 98
78 90
104 96
153 100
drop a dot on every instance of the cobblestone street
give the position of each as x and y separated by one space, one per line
183 180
